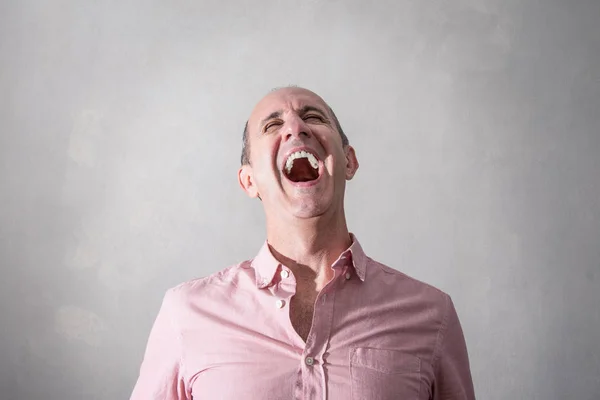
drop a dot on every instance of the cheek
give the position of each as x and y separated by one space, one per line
262 156
264 172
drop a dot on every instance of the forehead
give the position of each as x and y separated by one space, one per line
284 100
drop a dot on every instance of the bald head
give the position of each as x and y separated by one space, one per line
245 157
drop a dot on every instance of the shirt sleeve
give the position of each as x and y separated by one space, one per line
160 375
452 380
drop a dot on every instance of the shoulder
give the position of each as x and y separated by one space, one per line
220 283
400 284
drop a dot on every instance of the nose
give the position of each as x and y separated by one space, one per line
296 128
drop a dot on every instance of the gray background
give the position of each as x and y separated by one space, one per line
475 123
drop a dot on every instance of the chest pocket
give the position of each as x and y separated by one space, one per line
384 374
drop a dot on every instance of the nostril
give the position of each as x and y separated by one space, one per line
290 134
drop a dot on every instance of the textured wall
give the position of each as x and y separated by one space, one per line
476 124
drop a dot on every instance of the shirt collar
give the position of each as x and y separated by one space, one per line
359 258
266 265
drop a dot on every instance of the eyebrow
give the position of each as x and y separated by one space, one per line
301 112
274 114
307 109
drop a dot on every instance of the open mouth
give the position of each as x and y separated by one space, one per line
301 166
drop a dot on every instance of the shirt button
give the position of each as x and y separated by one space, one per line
309 360
284 274
348 276
279 303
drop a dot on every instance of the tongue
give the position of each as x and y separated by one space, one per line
302 171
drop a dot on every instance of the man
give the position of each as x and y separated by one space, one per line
311 316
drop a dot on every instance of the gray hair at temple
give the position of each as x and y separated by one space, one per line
245 159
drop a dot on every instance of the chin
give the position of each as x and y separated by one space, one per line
309 208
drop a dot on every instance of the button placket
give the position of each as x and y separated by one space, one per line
312 375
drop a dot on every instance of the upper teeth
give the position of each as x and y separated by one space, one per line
300 154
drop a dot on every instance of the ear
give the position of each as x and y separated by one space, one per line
246 181
351 162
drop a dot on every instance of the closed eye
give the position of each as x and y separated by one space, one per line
271 125
313 117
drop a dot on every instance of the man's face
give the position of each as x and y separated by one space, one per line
298 164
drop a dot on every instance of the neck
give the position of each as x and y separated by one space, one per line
309 246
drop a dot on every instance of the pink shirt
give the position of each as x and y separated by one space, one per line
376 334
